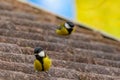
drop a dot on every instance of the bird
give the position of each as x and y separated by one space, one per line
42 61
65 29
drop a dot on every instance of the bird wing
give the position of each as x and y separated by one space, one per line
37 65
47 63
62 31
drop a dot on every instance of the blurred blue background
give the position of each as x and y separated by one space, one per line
64 8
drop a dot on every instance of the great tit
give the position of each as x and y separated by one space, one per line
42 61
66 29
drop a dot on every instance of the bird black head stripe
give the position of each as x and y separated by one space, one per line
70 23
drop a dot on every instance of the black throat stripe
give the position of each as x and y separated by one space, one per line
70 30
41 61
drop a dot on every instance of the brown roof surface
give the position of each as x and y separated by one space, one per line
84 55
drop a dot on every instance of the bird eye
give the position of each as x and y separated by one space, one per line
67 26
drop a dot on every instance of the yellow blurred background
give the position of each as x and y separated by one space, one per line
103 15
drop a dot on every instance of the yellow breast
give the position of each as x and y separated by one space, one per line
46 64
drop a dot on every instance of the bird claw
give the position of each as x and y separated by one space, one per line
36 71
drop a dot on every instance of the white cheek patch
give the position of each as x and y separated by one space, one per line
67 26
41 54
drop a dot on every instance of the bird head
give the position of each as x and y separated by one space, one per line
69 25
39 52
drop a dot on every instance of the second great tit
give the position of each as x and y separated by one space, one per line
66 29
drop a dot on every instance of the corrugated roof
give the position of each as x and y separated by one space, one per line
84 55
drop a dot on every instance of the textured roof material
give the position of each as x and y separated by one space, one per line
84 55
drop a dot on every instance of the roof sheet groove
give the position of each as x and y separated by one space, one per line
84 55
